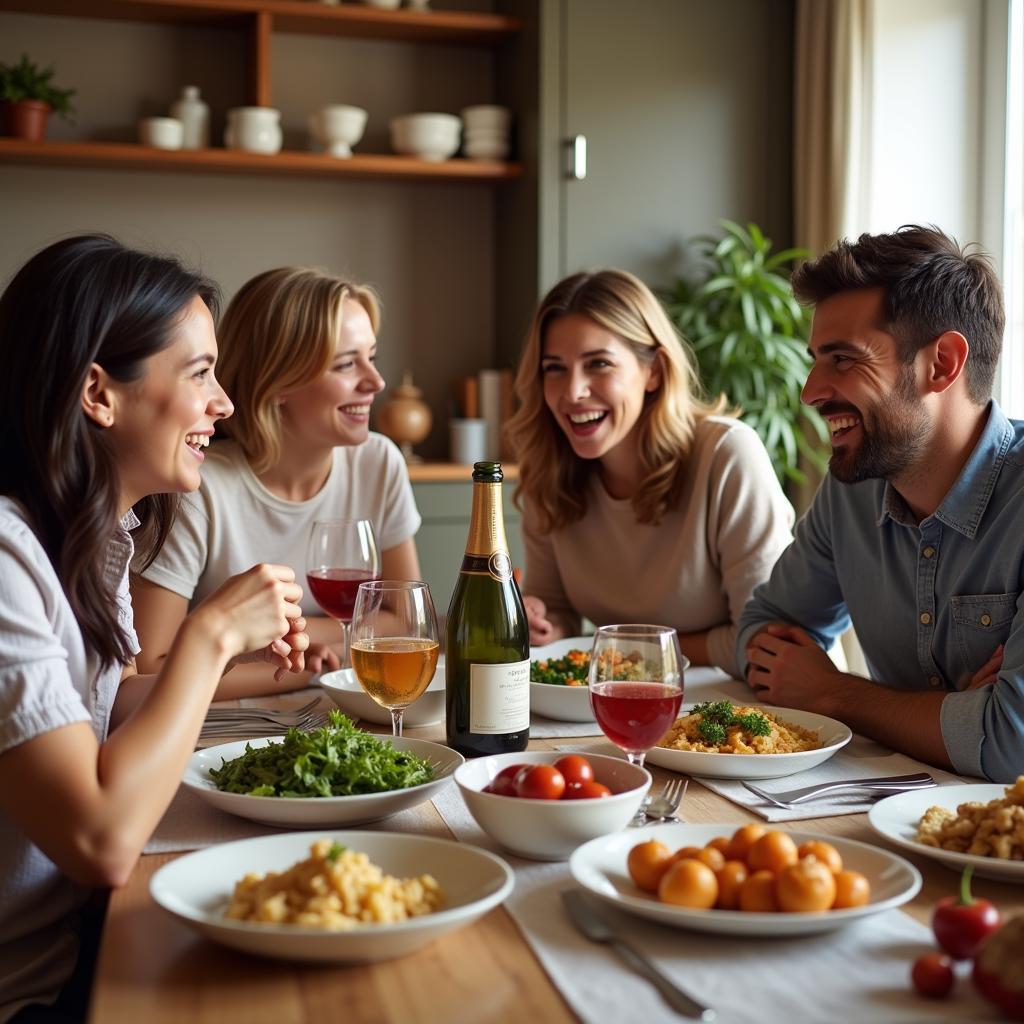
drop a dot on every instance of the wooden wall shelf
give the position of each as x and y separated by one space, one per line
305 17
128 156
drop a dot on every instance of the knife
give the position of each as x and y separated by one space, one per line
585 915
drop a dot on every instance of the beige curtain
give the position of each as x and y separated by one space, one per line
832 124
831 158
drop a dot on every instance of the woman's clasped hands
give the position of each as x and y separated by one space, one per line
257 616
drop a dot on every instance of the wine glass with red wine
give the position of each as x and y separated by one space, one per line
636 686
342 553
394 643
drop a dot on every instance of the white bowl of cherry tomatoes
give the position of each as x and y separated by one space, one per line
542 805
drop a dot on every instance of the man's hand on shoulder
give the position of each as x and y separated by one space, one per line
787 668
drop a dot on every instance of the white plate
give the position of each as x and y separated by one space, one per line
600 866
895 818
834 735
309 812
344 689
197 889
563 703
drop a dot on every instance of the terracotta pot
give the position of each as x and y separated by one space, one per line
26 119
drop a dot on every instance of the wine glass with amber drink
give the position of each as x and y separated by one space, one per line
341 554
636 685
394 643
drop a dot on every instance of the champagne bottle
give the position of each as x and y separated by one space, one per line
487 640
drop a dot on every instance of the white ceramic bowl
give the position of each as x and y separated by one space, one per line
600 866
310 812
486 116
486 150
834 736
344 689
484 135
563 703
551 829
338 128
432 137
196 889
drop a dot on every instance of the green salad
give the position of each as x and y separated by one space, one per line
335 760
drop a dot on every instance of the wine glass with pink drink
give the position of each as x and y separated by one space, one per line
341 554
636 686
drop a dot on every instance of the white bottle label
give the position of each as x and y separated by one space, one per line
499 698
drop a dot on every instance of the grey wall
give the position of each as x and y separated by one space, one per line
459 266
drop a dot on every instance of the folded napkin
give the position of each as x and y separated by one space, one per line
860 759
546 728
854 974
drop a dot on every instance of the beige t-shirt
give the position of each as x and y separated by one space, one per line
695 570
233 522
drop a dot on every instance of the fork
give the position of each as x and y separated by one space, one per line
892 784
663 807
278 715
253 728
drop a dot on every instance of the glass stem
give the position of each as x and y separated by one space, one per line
396 721
345 662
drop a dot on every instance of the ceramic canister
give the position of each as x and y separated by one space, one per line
254 129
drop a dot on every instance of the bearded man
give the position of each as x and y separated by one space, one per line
917 532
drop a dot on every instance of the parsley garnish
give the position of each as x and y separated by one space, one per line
335 760
719 716
335 852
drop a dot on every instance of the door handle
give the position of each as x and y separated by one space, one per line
577 153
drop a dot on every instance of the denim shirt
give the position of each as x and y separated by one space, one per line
930 601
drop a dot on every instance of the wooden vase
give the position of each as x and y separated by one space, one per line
405 418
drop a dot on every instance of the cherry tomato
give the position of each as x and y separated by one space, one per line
932 975
575 768
585 790
772 852
647 862
807 887
688 883
852 890
825 852
961 924
504 783
540 782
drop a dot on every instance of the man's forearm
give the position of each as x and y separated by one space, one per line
901 720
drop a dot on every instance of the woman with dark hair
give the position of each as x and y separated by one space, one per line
107 401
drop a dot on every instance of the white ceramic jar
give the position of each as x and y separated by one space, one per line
254 129
194 115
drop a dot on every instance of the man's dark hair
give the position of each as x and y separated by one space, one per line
931 286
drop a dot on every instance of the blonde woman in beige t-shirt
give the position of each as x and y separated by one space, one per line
298 352
641 502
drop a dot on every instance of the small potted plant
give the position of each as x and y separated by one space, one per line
27 99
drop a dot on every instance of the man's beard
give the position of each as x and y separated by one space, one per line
897 437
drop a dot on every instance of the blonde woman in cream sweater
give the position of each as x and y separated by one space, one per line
641 502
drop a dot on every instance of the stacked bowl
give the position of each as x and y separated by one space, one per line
486 132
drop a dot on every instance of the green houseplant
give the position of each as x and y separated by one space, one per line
749 336
28 98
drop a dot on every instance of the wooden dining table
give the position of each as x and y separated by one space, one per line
153 968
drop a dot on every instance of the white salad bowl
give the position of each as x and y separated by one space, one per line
552 700
308 812
344 689
551 829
